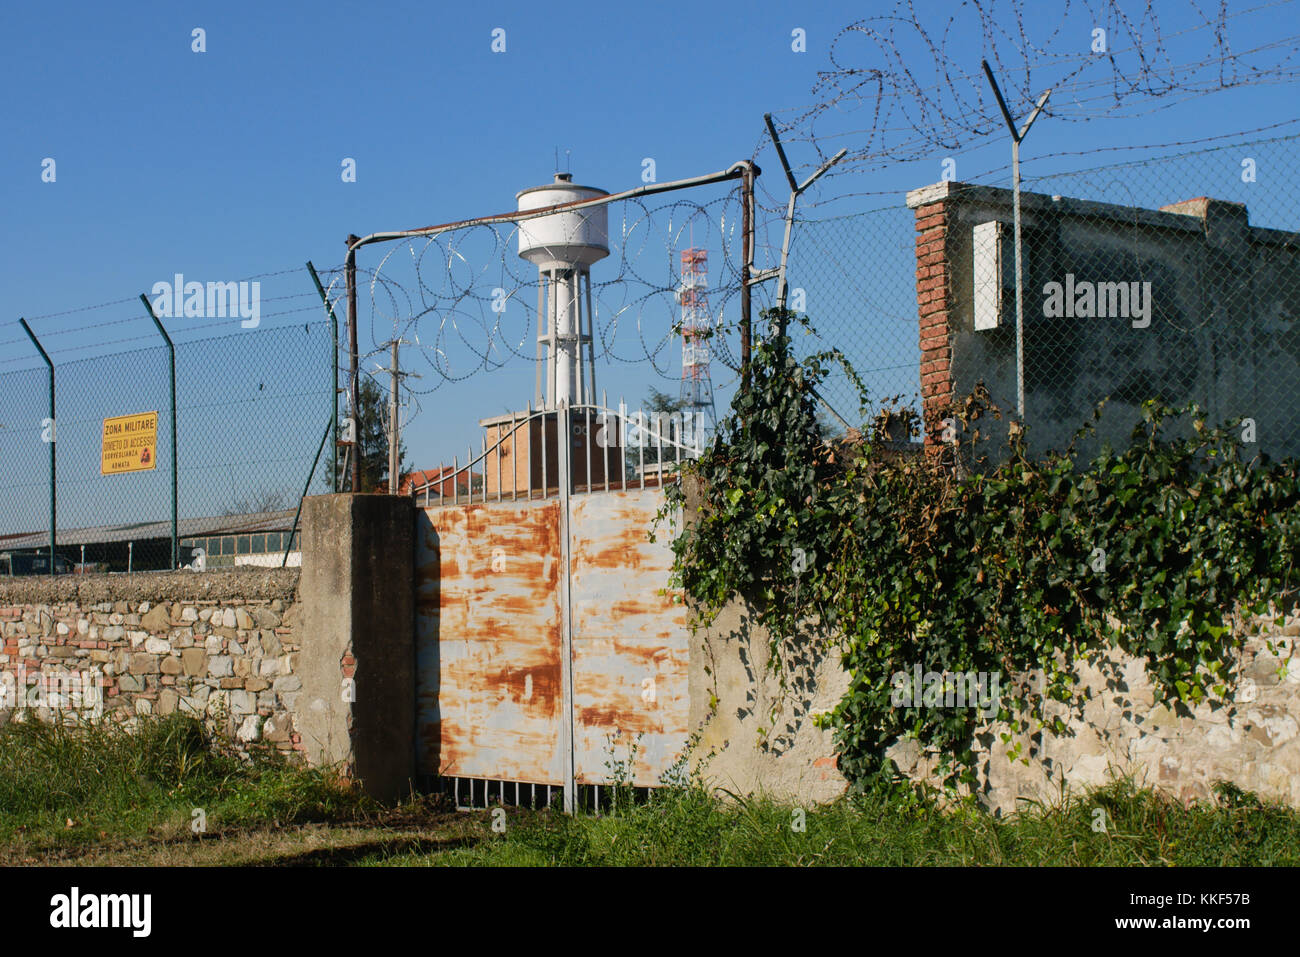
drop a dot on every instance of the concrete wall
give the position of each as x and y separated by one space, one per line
223 646
358 667
1222 330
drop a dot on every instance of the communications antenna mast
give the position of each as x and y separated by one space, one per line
697 386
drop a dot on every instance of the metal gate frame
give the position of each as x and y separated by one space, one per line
674 437
564 441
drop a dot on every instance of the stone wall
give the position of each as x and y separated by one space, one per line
318 662
221 645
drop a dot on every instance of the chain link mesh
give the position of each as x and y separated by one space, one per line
1172 277
251 409
1163 294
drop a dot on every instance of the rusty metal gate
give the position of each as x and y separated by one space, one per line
550 653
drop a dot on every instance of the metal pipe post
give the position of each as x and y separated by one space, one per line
53 435
171 354
564 449
1020 283
394 438
350 273
334 383
746 259
1017 135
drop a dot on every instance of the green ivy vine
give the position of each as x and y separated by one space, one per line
1005 565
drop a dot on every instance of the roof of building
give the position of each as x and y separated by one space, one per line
416 481
138 531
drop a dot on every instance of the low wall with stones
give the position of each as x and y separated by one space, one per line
1252 741
220 645
317 661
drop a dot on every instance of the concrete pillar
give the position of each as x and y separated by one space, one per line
357 657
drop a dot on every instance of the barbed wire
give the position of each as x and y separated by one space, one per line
465 302
921 94
214 330
51 334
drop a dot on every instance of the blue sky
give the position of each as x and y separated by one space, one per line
226 164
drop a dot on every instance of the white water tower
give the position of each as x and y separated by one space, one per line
563 246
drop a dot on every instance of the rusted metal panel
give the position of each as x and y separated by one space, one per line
630 639
488 605
491 596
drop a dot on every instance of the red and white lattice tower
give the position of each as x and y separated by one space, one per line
697 386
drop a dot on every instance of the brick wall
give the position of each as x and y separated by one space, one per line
933 294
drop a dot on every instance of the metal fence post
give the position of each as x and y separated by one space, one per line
310 475
563 450
354 399
53 434
796 189
334 383
1017 136
746 263
171 354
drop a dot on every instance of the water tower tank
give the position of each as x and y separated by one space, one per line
567 239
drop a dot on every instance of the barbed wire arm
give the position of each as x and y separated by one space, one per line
796 188
1017 136
734 171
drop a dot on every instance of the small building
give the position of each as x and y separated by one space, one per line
522 451
1188 302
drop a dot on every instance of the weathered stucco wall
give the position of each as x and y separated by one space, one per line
753 736
752 733
1253 742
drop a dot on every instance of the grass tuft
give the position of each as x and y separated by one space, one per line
690 827
110 780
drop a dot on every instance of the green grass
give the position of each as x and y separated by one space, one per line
130 793
687 827
111 782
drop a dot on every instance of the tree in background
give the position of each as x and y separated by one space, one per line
263 499
657 404
372 440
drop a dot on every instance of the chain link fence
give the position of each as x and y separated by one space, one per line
1171 277
1182 287
852 277
251 409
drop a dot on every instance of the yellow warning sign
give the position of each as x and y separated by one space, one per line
130 443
